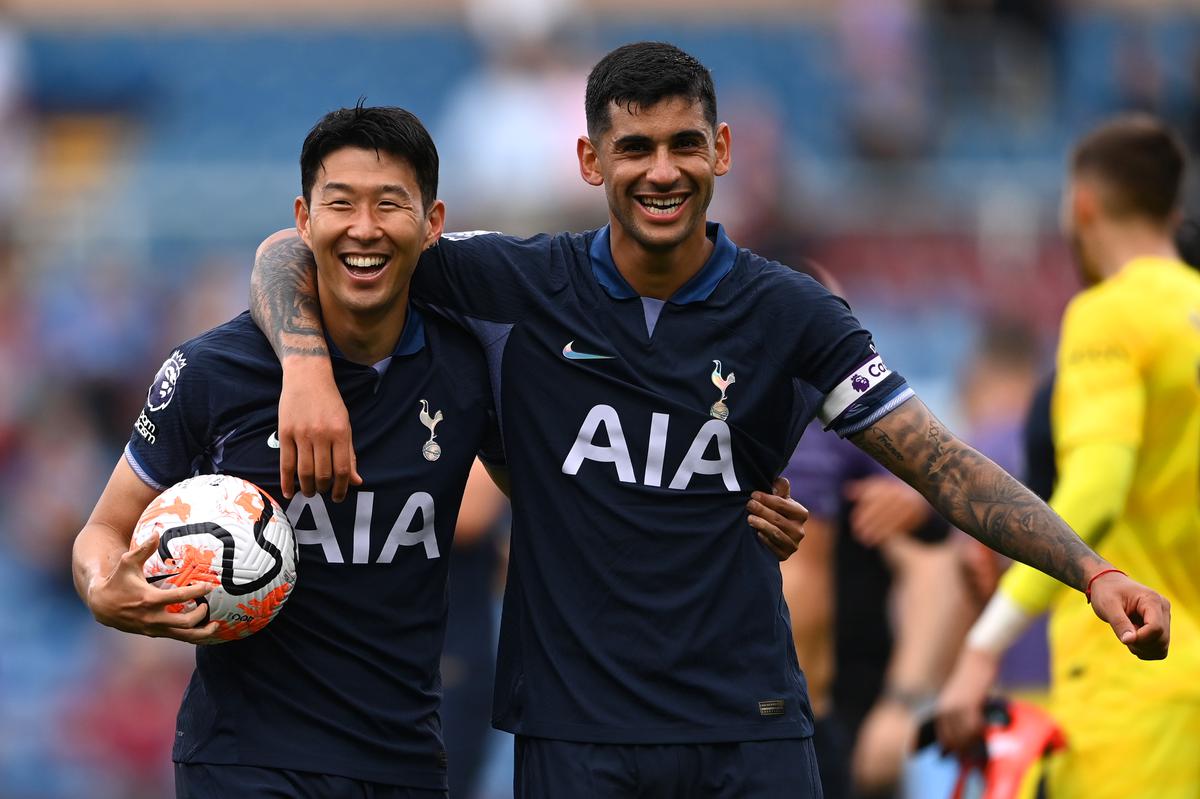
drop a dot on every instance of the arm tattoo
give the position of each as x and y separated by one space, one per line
976 495
283 299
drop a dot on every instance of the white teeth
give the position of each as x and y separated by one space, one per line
364 261
660 206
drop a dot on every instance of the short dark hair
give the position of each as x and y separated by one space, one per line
384 129
1140 159
640 75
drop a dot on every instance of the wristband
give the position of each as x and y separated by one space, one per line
1088 591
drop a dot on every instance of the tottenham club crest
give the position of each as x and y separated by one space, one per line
719 409
163 387
432 450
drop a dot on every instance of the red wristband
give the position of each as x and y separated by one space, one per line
1088 591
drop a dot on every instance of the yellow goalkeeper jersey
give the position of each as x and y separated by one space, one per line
1129 373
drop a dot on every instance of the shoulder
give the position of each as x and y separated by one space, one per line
222 351
499 245
779 285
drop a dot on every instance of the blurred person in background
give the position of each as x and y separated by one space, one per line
871 592
1126 419
655 145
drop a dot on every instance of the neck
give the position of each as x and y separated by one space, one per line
658 273
366 337
1121 244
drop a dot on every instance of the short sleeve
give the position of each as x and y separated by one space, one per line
482 275
168 434
1098 392
838 357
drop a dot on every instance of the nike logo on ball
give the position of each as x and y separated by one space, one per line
570 354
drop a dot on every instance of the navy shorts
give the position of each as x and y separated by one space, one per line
550 769
210 781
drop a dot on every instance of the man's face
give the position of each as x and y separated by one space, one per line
658 166
367 226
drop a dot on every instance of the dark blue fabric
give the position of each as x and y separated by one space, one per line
204 781
549 769
345 680
640 606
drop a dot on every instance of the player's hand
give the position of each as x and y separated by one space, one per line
884 506
959 710
884 741
778 519
125 601
1140 617
315 447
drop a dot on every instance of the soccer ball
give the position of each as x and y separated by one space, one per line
223 530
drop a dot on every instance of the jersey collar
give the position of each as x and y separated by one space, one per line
411 341
699 288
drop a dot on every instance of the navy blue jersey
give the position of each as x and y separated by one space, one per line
641 607
345 680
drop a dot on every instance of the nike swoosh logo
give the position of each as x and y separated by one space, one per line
160 577
570 354
273 440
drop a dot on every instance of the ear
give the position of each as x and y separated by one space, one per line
303 221
589 162
1085 202
436 219
723 146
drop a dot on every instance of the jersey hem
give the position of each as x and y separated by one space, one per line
425 779
590 733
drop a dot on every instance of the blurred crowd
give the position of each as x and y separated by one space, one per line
953 263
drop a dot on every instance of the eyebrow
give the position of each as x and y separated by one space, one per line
386 188
638 138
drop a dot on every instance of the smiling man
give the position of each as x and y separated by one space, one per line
338 696
649 376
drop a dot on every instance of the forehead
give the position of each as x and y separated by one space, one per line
364 170
665 118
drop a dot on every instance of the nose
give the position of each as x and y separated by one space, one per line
364 224
663 170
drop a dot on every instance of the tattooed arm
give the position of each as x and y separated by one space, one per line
980 498
315 445
976 495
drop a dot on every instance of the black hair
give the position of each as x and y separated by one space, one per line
385 129
1140 159
640 75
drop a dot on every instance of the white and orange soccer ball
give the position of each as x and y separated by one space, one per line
222 530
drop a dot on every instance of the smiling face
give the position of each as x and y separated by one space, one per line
366 226
658 166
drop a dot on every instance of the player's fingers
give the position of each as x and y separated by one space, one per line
192 635
777 548
176 596
355 477
779 542
322 466
777 509
287 465
185 619
343 467
135 556
781 487
304 468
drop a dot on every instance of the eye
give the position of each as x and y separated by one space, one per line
338 203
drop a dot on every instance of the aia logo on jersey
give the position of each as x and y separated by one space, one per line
163 388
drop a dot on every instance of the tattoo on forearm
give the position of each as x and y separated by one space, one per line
283 299
885 441
976 495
